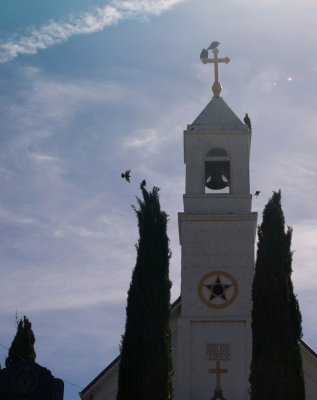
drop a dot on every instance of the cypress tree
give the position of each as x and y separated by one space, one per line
22 346
276 367
145 369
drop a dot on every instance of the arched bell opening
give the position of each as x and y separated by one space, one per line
217 171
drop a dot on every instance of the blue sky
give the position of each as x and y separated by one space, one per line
88 90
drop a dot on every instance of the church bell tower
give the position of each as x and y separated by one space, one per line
217 233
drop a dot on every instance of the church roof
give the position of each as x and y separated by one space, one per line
217 115
174 307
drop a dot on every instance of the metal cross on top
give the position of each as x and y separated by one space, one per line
216 87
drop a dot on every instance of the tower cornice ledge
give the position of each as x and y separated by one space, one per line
210 203
252 216
214 130
219 196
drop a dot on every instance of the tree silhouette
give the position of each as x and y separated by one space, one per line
276 368
22 346
145 365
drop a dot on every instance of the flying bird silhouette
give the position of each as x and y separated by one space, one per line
257 193
126 175
143 184
247 121
213 45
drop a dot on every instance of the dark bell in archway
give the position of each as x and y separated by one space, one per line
216 180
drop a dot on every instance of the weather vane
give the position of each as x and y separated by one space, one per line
216 87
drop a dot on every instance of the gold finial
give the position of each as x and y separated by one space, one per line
216 87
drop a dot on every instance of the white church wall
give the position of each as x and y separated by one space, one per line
220 244
216 204
231 334
195 358
105 387
310 372
174 331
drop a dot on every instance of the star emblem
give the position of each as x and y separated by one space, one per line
217 289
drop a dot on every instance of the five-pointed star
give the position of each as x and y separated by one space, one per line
218 289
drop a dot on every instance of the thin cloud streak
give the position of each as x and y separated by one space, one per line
7 216
56 32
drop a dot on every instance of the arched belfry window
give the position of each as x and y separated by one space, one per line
217 171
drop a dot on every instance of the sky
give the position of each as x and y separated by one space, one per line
90 89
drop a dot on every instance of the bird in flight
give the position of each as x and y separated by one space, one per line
126 175
247 121
257 193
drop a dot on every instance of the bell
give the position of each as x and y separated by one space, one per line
215 181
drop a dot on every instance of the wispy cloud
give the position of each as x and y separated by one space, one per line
7 216
146 140
56 32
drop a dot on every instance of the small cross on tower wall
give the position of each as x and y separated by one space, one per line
219 351
218 371
216 87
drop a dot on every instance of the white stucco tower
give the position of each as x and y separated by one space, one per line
210 322
217 234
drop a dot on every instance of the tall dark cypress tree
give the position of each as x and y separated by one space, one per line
145 364
22 346
276 368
